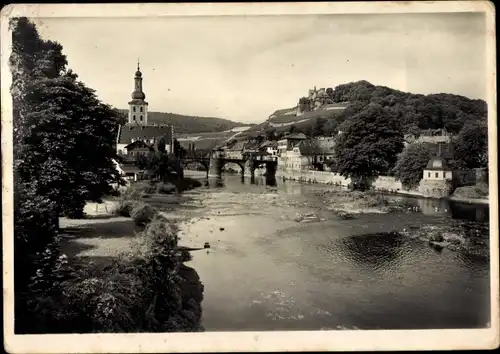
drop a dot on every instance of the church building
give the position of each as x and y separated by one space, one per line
138 128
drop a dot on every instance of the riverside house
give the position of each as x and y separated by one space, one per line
307 154
286 144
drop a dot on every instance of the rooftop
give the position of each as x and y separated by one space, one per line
437 163
127 132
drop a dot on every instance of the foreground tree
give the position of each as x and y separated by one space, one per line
471 146
368 145
63 148
411 162
64 136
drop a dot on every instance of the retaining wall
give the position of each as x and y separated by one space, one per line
385 183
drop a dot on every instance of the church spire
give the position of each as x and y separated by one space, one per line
138 107
138 94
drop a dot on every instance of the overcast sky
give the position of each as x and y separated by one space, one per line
244 68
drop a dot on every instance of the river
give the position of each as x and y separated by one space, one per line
266 271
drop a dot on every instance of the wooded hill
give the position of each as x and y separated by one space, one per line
414 111
184 124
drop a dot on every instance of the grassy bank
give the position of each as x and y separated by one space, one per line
355 202
472 194
123 271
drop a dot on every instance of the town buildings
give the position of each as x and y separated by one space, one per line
438 141
299 153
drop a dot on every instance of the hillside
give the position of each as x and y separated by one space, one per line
414 111
205 141
191 124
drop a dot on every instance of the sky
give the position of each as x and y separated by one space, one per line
243 68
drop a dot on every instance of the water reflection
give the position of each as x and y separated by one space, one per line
271 181
434 207
214 183
448 208
471 212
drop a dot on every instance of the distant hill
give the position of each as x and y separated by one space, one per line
415 111
191 124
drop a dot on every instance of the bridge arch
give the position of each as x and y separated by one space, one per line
224 162
196 162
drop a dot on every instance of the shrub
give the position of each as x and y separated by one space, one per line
125 207
477 191
142 213
189 183
376 200
164 188
186 256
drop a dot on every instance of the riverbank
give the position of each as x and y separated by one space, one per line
384 184
469 200
110 255
476 194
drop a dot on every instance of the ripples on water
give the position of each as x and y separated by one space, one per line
268 271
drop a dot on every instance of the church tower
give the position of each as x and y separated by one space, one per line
138 107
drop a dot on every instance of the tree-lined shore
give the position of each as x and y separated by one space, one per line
64 147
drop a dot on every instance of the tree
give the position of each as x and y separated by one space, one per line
369 144
179 151
162 165
410 164
141 162
64 136
316 129
271 134
471 146
304 100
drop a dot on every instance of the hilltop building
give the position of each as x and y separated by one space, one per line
318 100
138 128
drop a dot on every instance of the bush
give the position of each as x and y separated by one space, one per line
186 256
142 213
189 183
164 188
474 192
376 201
125 207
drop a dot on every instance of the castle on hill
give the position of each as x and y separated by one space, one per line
138 132
318 100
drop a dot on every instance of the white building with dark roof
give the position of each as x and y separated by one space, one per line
137 127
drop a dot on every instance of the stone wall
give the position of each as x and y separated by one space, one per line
435 188
313 177
385 183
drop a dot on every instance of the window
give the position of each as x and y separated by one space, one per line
141 118
133 109
429 175
437 174
141 109
133 117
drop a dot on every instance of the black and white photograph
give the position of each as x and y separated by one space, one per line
249 177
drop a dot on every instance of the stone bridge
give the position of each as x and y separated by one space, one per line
248 162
